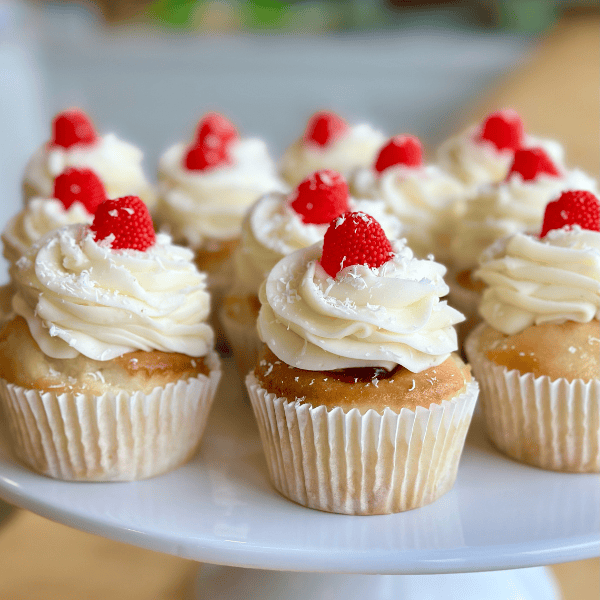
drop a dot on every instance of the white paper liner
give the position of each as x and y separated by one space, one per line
244 341
465 301
361 464
552 424
112 437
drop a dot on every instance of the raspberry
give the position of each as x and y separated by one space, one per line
400 150
572 208
128 220
355 238
215 124
504 129
531 162
79 185
321 197
72 127
202 156
324 128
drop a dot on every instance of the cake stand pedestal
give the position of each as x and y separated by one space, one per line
221 509
228 583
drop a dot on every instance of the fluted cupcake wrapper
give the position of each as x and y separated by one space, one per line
112 437
549 423
361 464
244 341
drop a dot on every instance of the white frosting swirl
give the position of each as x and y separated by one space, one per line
478 162
358 147
117 163
197 206
507 208
533 281
38 218
82 297
364 317
272 230
427 201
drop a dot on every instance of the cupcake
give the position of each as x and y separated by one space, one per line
537 354
361 402
75 143
108 371
205 188
425 199
330 143
514 205
275 226
483 153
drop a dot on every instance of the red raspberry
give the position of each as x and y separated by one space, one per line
215 124
572 208
321 197
72 127
504 129
355 238
531 162
203 156
403 150
79 185
324 128
128 220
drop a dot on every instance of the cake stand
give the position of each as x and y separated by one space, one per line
220 509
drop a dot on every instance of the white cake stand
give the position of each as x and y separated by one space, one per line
221 509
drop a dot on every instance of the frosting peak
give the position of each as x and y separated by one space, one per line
533 281
81 297
364 317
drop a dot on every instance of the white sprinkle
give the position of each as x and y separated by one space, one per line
572 349
414 385
113 213
268 371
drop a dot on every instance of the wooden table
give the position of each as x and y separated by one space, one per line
558 94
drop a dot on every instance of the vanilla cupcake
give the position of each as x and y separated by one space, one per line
426 199
515 205
483 153
206 186
75 143
537 355
330 143
362 404
108 371
275 226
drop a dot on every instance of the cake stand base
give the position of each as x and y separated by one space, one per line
231 583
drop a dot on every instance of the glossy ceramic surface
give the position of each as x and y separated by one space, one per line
220 508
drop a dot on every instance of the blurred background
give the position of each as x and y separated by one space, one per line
148 69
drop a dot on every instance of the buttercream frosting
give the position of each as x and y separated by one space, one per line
198 206
477 162
81 297
549 280
357 147
272 229
38 218
116 162
507 208
364 317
